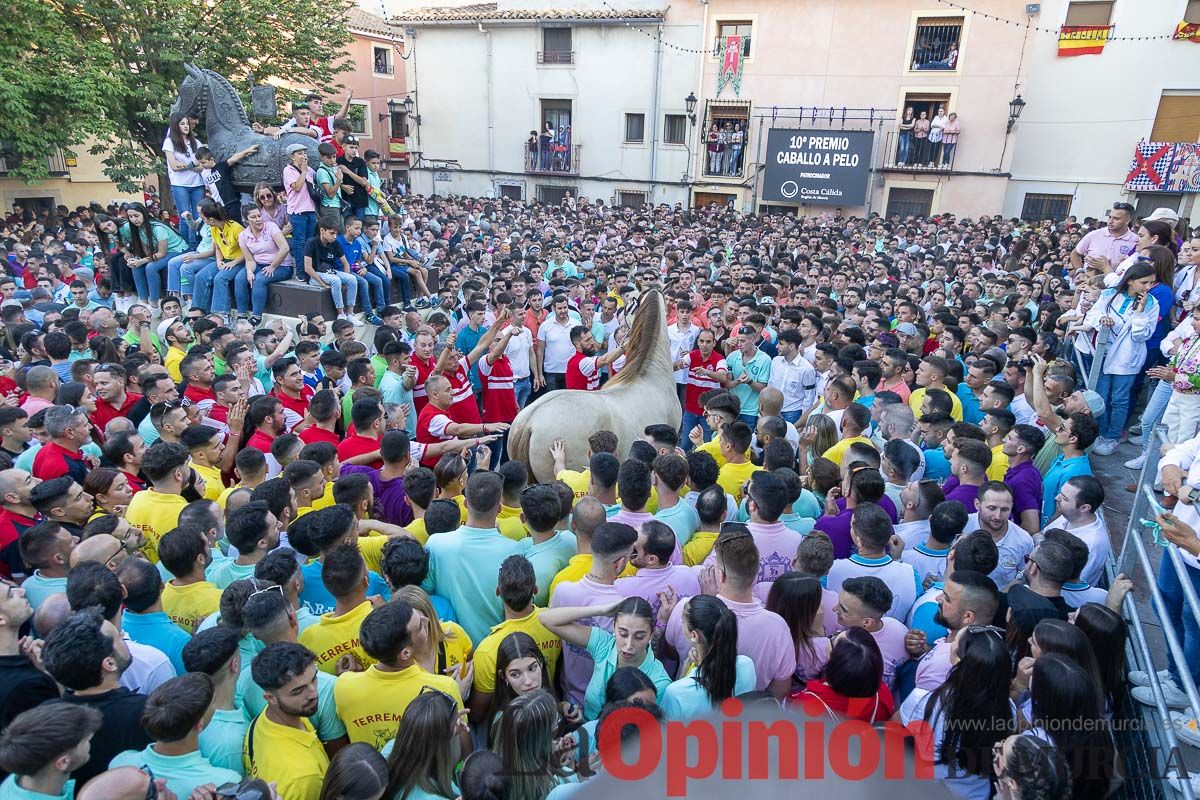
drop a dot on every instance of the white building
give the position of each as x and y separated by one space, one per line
1085 114
486 75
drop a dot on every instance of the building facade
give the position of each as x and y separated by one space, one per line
491 78
74 181
377 114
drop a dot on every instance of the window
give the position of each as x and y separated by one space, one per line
511 192
557 113
635 128
1089 13
1148 201
1178 119
727 29
675 129
359 117
909 202
556 194
935 44
631 199
1046 206
381 61
556 46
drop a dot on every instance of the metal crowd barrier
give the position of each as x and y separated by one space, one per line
1152 748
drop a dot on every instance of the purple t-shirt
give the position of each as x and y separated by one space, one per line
966 494
647 583
1026 483
390 505
837 528
885 503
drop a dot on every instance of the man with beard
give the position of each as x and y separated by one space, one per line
583 368
968 598
175 334
282 746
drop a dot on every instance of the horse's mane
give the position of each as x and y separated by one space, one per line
640 355
233 95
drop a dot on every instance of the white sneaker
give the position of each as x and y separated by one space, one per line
1135 438
1136 463
1186 728
357 320
1172 694
1140 678
1104 447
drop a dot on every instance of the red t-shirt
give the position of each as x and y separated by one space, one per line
699 384
464 408
431 428
424 370
261 440
582 372
313 434
54 461
499 397
297 405
105 412
357 445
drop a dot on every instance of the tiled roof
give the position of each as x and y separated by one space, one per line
486 11
359 20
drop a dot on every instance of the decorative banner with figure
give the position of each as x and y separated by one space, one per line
731 64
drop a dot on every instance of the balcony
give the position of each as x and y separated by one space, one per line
556 57
56 164
555 161
936 45
917 158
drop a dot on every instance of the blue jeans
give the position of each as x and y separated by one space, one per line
948 151
202 287
366 283
791 416
1179 615
400 278
381 287
187 198
234 277
304 227
1155 408
690 421
902 155
189 272
258 293
735 154
1115 389
523 387
341 283
151 274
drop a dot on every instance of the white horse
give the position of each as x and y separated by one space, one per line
641 394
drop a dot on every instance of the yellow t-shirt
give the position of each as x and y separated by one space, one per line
839 449
999 465
371 547
188 605
417 529
333 637
172 360
713 448
457 644
293 759
578 481
371 703
578 566
223 498
732 476
698 547
508 521
326 499
154 514
213 484
918 396
485 654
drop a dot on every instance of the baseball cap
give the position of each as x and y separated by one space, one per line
1095 402
1162 214
165 326
295 148
906 329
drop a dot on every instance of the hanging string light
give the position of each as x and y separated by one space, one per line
1053 31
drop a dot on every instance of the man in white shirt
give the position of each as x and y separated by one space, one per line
794 376
1078 501
554 348
993 515
871 530
520 354
682 335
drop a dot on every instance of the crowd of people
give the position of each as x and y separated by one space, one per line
238 551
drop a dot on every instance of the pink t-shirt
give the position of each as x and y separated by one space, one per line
763 637
647 583
577 663
776 544
262 249
934 666
829 599
890 639
809 665
298 200
635 520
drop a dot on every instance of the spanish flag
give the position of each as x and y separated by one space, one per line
1082 40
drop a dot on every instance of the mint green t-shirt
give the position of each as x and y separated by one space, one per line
182 773
221 740
462 569
329 727
10 790
547 559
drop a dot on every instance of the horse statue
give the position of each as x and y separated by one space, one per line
207 96
641 394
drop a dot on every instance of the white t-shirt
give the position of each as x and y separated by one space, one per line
557 342
965 787
185 177
517 350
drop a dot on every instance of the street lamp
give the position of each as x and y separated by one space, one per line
392 108
690 102
1015 107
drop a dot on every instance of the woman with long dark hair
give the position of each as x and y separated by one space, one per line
1107 632
526 745
968 714
357 772
110 489
1065 705
108 242
183 170
1130 313
1029 768
1061 637
421 758
797 598
719 672
520 669
149 247
851 685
